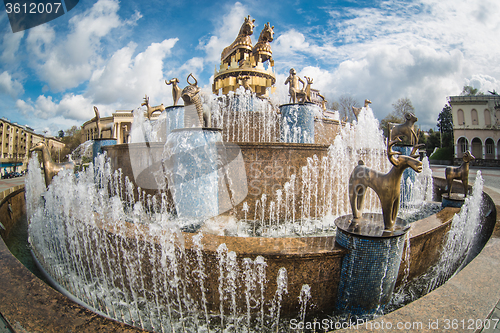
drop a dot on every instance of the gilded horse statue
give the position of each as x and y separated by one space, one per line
50 168
262 49
387 186
242 41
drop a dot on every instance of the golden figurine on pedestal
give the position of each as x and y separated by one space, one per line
461 172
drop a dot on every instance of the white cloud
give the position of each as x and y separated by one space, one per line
65 63
71 107
10 86
125 79
225 33
10 45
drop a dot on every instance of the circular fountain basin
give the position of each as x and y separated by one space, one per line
27 303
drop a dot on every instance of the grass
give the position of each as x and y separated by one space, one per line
445 153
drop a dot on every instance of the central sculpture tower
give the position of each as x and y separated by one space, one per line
243 65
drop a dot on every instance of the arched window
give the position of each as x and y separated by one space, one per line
487 118
490 149
477 148
474 119
463 146
460 116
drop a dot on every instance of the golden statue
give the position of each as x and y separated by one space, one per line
293 82
262 50
101 127
387 186
151 109
243 81
176 91
405 129
50 168
242 41
191 96
461 172
240 59
357 111
305 94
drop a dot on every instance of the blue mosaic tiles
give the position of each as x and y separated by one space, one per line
297 122
98 143
368 273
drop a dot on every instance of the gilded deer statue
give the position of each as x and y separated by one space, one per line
461 172
242 41
405 129
102 127
356 111
191 96
151 109
176 91
262 49
305 95
50 168
387 186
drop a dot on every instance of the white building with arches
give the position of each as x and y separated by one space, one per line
476 127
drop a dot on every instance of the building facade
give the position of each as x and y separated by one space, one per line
118 126
476 127
16 141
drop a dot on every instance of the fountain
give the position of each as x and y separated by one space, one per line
228 225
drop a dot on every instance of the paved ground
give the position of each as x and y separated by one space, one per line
8 183
491 177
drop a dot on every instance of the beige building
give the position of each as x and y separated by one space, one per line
476 126
16 140
118 126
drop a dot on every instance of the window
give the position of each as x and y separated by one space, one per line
460 116
490 147
474 119
487 118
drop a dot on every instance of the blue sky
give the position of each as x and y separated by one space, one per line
110 53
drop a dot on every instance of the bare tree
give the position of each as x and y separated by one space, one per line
402 107
346 102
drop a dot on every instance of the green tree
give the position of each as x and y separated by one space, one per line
397 116
470 91
60 134
346 102
445 125
72 139
402 107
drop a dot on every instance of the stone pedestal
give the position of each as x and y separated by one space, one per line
98 143
454 200
190 162
297 122
370 269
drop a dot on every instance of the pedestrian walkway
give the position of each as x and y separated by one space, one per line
5 184
491 179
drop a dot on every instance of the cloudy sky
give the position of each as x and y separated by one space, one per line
110 53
